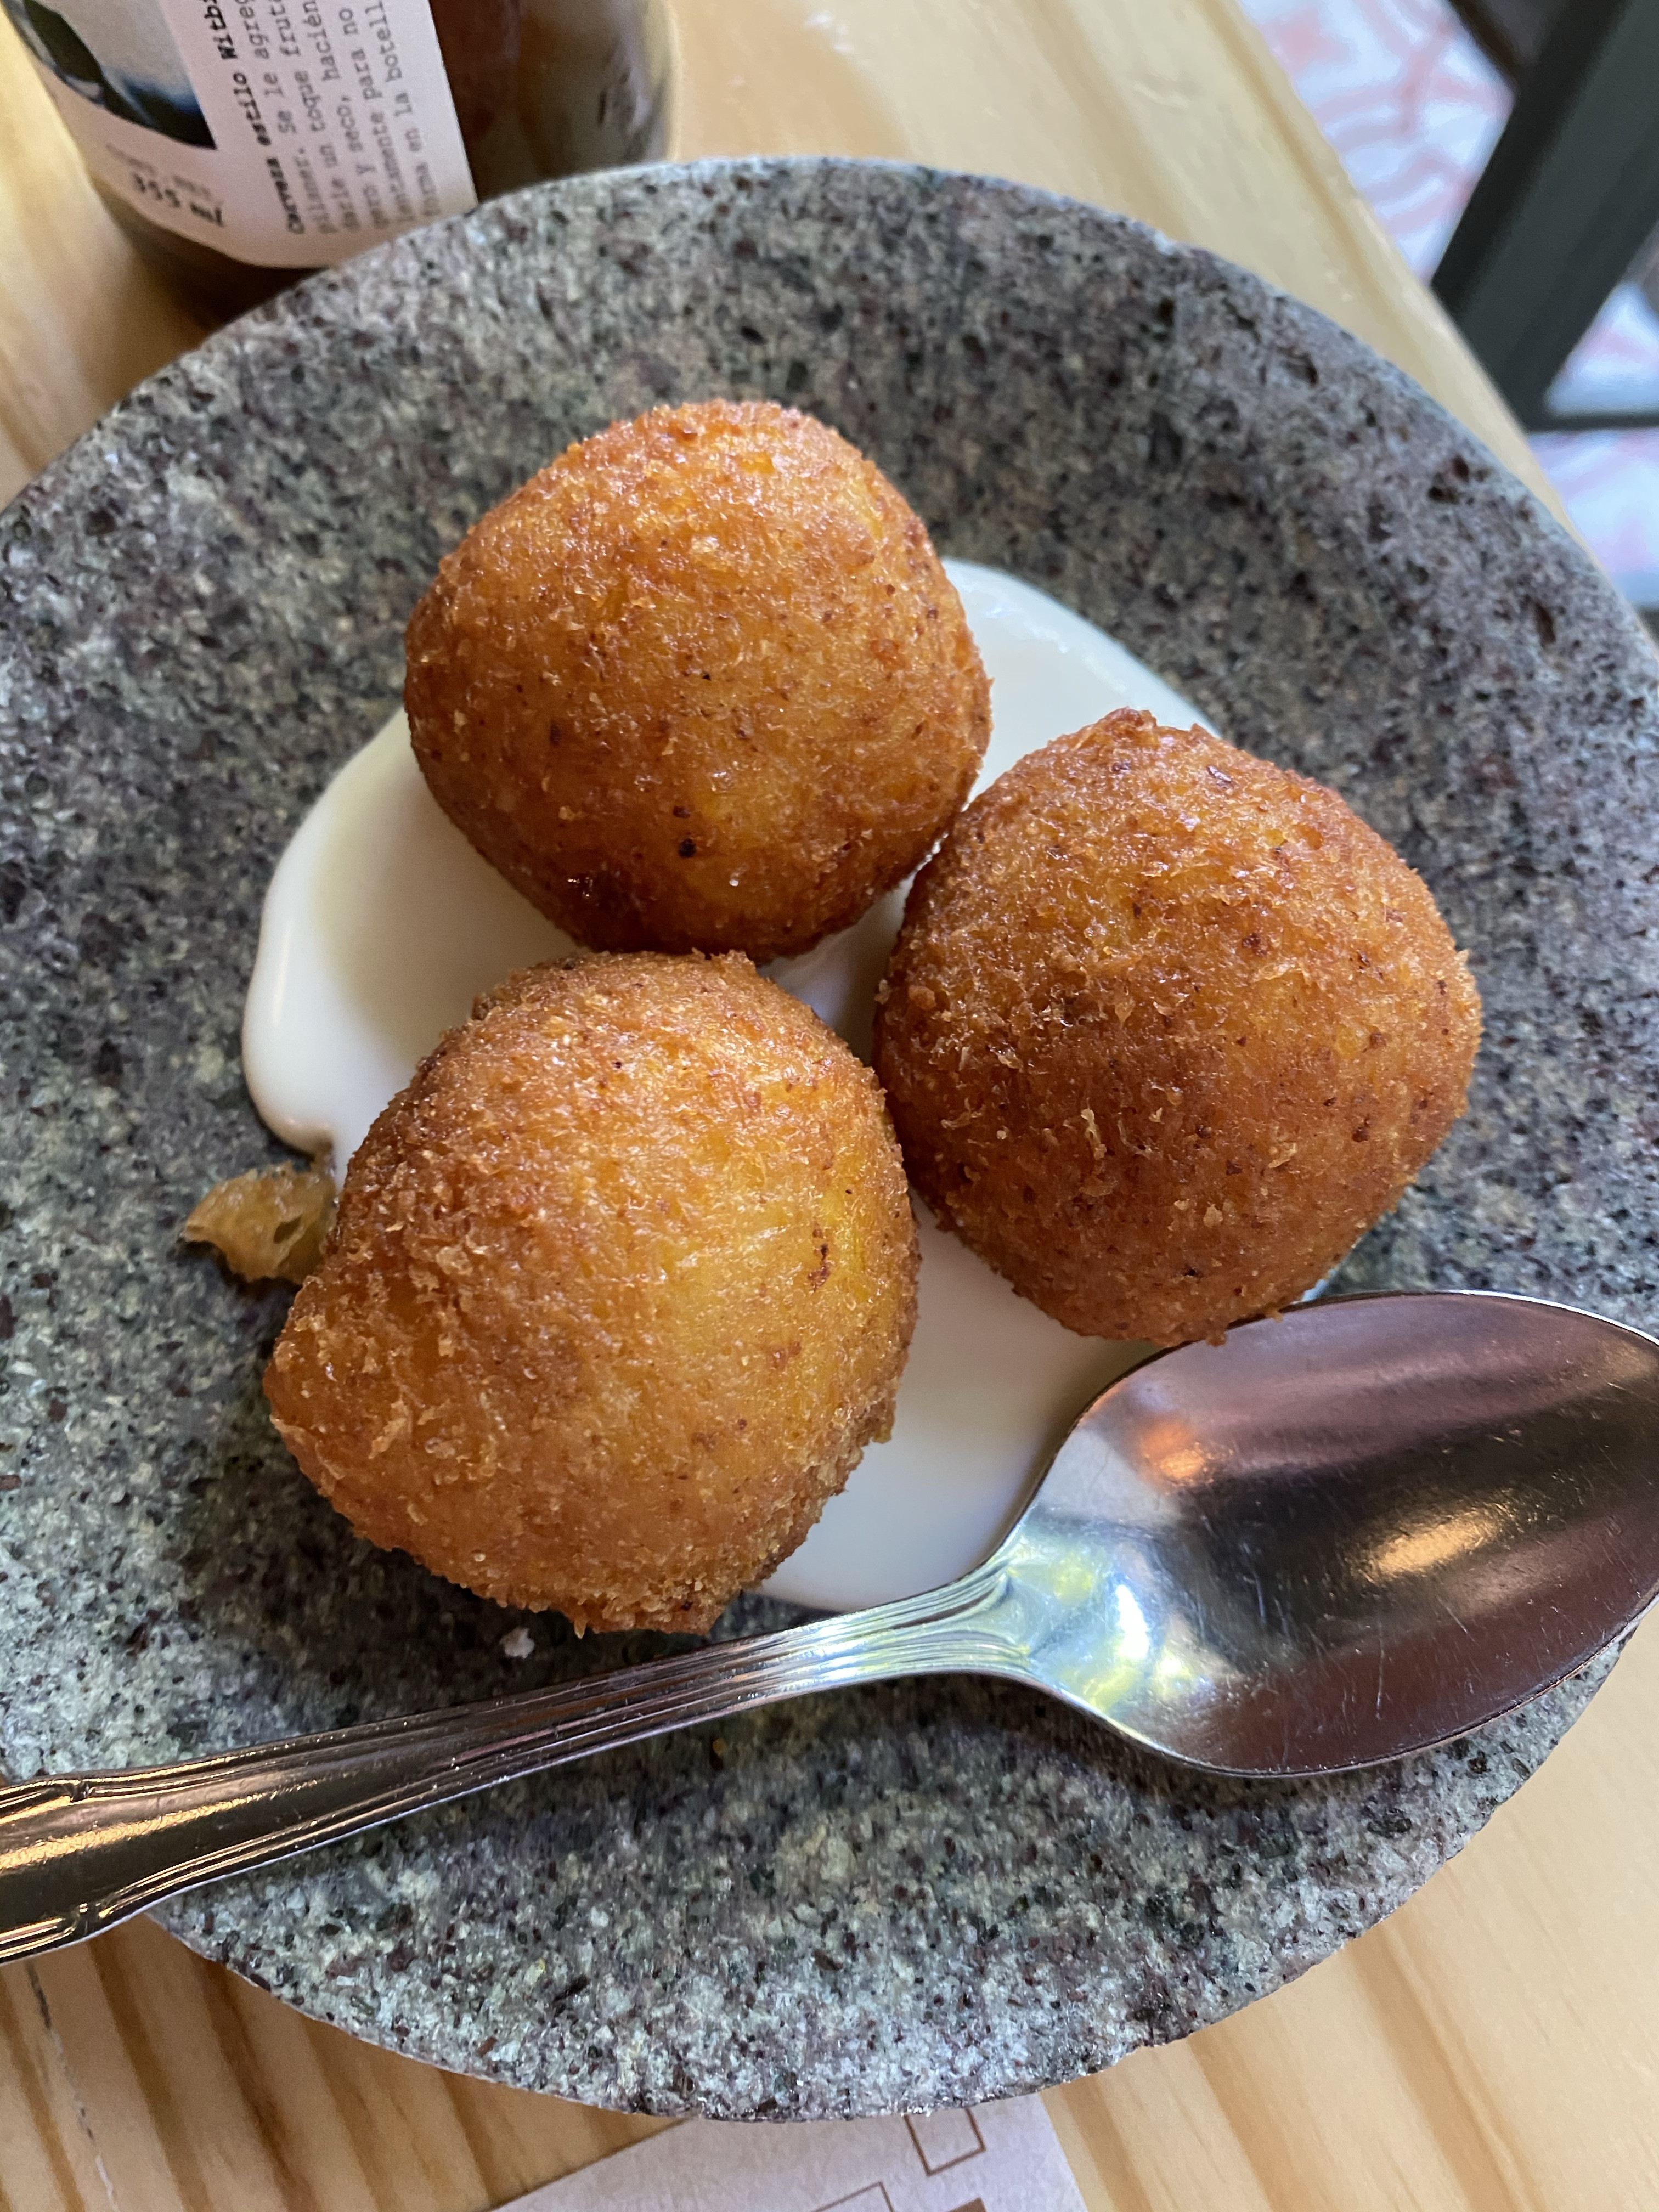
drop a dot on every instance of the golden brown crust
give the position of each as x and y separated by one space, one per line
1166 1029
703 683
621 1286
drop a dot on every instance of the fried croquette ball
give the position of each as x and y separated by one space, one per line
1167 1029
621 1286
702 684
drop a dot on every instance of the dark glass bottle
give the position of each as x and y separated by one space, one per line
540 87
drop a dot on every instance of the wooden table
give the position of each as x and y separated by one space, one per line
1495 2045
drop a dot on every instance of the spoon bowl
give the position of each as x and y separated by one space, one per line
1349 1533
1331 1540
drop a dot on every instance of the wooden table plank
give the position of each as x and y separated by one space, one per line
1493 2048
134 2075
1173 112
82 320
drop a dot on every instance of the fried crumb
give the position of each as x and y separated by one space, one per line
270 1225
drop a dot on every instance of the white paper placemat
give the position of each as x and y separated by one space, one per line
998 2158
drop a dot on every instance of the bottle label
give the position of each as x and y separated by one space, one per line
287 133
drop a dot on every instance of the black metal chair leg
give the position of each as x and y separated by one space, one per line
1568 200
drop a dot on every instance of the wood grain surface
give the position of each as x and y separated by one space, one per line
1493 2048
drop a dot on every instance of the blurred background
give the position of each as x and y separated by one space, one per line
1417 97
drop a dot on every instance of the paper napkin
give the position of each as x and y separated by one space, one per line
998 2158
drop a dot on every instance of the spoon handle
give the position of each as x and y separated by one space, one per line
81 1852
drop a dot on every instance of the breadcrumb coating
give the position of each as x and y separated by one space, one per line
1166 1029
621 1286
700 684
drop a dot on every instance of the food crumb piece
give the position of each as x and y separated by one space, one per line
518 1643
268 1225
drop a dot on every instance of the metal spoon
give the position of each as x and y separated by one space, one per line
1333 1540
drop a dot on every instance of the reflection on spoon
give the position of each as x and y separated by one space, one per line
382 925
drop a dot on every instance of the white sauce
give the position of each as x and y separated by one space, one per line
382 925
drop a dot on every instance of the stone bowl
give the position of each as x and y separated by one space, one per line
899 1897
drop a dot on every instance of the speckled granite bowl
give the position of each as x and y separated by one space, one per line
897 1897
